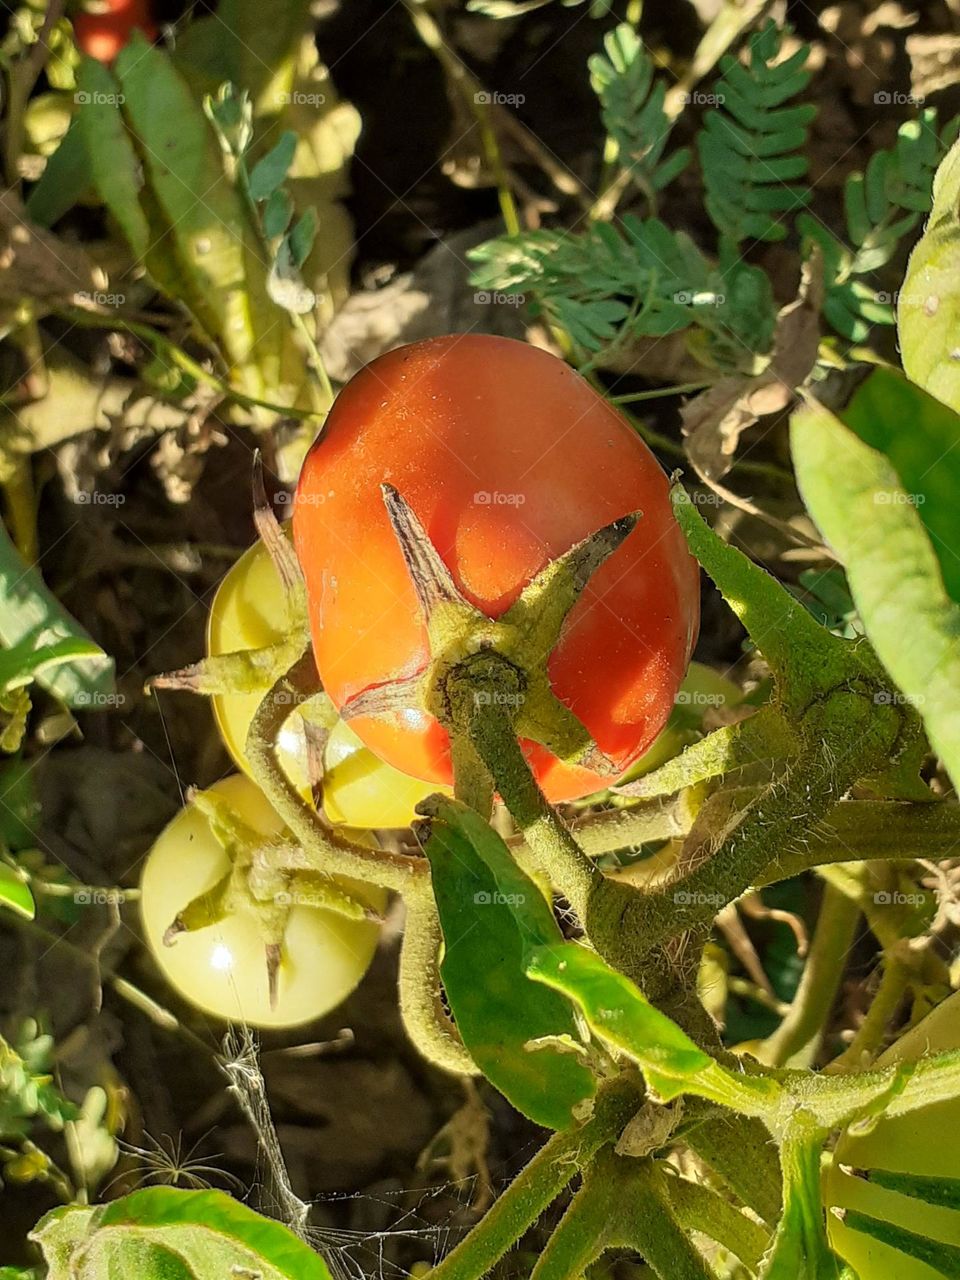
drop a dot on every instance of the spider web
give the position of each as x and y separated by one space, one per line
411 1233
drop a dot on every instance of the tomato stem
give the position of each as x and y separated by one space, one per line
331 853
326 850
539 1183
482 696
421 1007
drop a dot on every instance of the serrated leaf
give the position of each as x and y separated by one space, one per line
269 173
15 893
855 496
31 617
490 911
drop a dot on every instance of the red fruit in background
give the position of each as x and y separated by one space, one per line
509 458
104 32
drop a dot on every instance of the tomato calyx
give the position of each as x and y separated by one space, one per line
255 669
257 885
476 660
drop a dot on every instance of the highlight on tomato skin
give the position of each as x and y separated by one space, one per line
103 28
508 457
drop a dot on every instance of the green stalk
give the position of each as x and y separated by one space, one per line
324 850
866 1043
653 1228
741 1152
796 1040
538 1185
489 725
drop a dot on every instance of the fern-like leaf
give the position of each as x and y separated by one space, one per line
751 146
608 286
631 105
881 206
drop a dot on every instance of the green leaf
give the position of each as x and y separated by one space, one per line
65 178
928 313
277 213
856 498
919 434
15 893
641 279
32 619
881 206
302 237
269 173
490 913
943 1259
631 105
21 664
248 43
618 1012
204 1233
204 250
286 285
114 166
751 147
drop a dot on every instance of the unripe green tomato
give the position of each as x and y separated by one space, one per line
921 1142
249 611
360 790
222 968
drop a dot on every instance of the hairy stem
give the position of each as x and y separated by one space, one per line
700 1208
741 1152
844 738
420 1005
488 724
652 1227
325 850
539 1184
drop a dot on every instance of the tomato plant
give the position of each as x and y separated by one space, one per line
508 459
918 1143
221 967
359 790
250 611
104 29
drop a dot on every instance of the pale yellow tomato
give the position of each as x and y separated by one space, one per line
222 968
923 1142
249 611
361 791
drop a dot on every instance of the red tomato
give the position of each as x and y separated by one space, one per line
509 458
104 32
